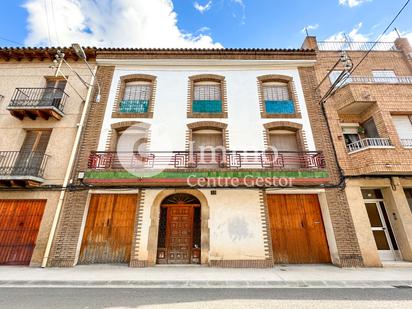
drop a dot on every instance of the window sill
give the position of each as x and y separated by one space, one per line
206 115
269 115
132 115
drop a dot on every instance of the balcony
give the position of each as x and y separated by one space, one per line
369 143
174 167
38 102
21 169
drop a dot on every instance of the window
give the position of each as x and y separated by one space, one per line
333 76
350 133
370 128
385 76
30 159
136 97
277 98
207 97
54 92
285 144
403 125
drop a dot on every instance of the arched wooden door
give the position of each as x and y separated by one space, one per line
179 230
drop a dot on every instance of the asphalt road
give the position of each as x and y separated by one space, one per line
14 298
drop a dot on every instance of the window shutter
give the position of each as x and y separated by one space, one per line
403 126
36 141
284 142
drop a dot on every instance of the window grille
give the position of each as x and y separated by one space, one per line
207 93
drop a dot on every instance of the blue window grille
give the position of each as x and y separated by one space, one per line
207 98
280 107
207 106
134 106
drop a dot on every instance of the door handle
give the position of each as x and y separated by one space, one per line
316 222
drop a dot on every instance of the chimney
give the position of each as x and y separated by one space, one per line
310 42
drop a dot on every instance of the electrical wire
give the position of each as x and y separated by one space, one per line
47 21
54 22
11 41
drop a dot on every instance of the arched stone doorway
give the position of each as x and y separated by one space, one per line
179 230
184 216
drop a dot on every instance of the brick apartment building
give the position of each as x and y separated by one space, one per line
370 117
39 116
173 103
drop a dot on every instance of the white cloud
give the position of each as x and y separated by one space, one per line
353 35
352 3
310 27
203 8
120 23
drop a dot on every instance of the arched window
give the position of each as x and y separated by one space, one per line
207 97
278 97
135 96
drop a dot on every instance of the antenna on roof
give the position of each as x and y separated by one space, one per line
306 30
397 32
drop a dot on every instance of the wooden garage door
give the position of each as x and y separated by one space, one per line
297 230
19 226
108 233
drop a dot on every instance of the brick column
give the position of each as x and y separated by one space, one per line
399 215
404 45
310 42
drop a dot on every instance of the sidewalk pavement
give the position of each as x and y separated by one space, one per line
311 276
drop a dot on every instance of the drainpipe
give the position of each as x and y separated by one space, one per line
69 170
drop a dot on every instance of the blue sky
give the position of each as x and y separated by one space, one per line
195 23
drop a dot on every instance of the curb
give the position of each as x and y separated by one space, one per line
206 284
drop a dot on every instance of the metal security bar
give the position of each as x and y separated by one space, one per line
368 143
39 97
17 163
356 46
104 160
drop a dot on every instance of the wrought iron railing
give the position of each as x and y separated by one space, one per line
104 160
38 97
368 143
406 142
356 46
17 163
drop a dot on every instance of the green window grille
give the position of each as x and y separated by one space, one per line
136 98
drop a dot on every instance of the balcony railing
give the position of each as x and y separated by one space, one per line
378 80
356 46
206 160
22 164
369 143
406 142
38 98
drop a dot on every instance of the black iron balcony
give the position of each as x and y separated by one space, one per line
206 160
19 168
38 102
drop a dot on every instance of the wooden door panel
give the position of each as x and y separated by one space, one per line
179 234
19 226
297 229
108 233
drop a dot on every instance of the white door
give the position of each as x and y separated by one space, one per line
382 231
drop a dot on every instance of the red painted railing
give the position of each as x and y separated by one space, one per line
104 160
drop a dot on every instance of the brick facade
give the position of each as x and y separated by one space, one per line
63 253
